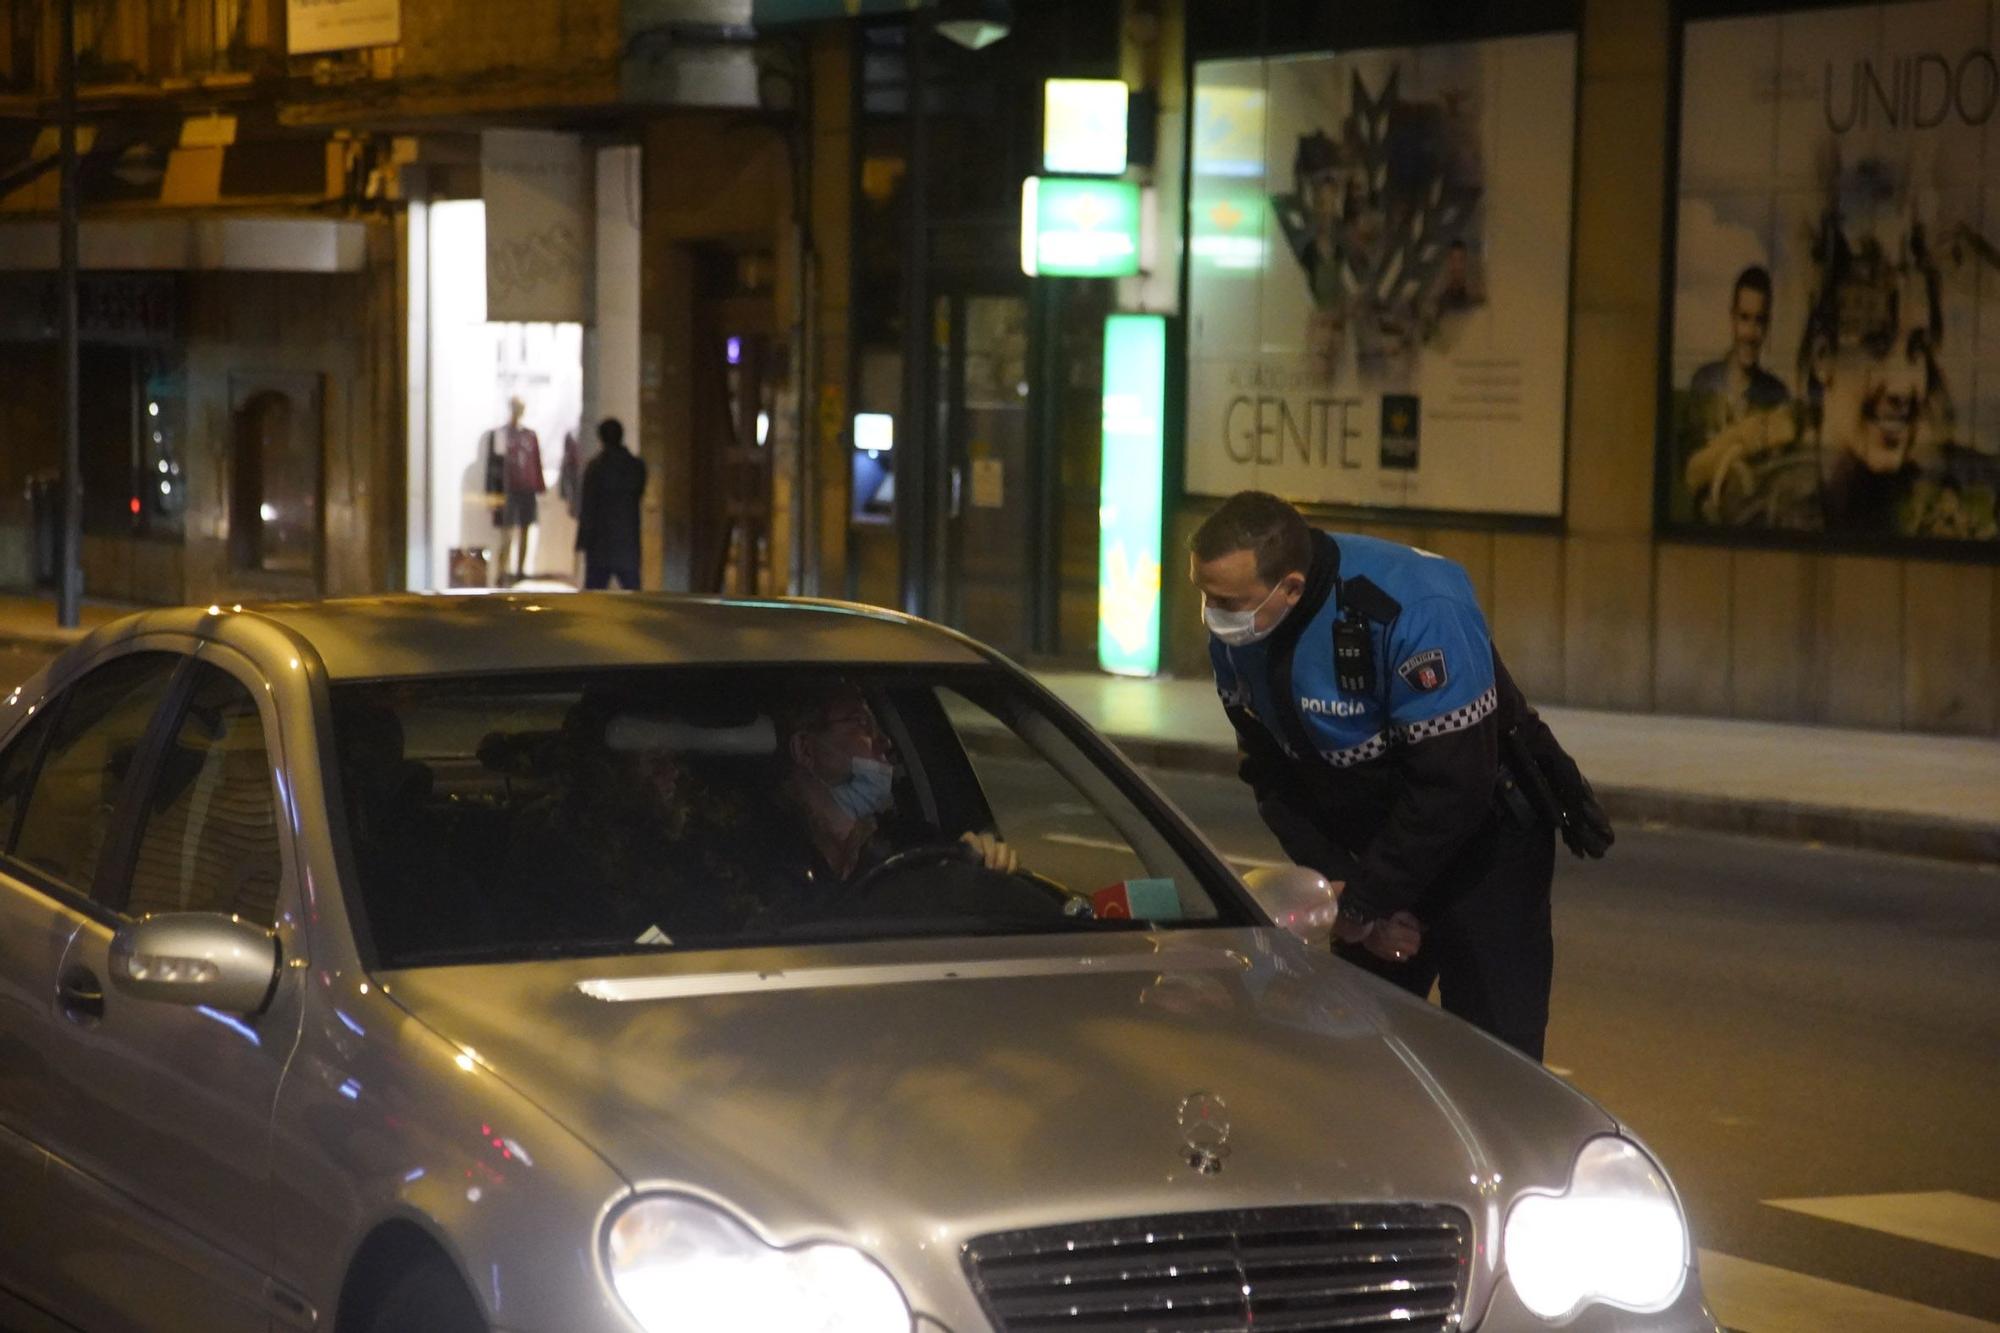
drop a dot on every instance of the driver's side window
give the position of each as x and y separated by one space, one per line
100 724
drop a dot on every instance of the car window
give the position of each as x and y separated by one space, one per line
210 840
96 737
1064 822
17 770
495 817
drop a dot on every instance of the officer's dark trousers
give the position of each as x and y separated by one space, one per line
1487 946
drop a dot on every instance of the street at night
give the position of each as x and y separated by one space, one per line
1786 1025
564 565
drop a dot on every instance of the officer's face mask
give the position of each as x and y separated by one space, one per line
1239 628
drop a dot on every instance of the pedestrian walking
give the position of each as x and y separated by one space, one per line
1389 750
607 525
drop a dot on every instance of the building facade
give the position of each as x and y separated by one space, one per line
1480 278
1840 568
325 246
236 312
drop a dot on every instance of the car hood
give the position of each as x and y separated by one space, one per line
879 1091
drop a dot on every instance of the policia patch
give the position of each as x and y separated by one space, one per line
1425 672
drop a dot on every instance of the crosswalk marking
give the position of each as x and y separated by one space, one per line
1758 1298
1942 1217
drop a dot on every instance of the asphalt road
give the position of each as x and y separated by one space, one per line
1783 1022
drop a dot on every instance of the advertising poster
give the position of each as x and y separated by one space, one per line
1378 284
1835 360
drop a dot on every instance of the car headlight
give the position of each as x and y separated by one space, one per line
1615 1236
683 1266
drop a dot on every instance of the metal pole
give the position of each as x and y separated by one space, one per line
69 591
915 520
805 374
1045 305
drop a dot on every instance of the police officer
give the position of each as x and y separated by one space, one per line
1389 750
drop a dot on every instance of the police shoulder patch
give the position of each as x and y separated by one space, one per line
1425 671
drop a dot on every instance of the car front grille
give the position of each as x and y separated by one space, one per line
1355 1268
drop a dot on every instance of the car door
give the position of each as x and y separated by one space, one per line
66 760
25 953
163 1154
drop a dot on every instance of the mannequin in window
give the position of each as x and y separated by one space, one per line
514 480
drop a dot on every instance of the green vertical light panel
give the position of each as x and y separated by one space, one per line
1130 494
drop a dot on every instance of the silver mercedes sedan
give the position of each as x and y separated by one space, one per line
602 962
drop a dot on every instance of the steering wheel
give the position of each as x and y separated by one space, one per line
1066 899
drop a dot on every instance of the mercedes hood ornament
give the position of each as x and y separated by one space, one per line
1204 1121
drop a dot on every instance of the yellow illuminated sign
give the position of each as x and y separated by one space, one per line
1084 126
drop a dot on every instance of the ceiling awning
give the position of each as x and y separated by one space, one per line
193 244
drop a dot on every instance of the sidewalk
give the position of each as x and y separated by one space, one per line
1889 791
28 622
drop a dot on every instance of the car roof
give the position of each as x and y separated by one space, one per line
425 634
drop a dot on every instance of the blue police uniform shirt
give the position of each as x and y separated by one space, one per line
1433 662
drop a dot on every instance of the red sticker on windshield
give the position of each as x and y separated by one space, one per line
1112 904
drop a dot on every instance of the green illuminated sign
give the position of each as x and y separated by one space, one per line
1079 228
1129 490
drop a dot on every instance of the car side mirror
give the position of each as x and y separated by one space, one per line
196 958
1297 898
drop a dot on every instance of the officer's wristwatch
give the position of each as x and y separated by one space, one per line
1358 919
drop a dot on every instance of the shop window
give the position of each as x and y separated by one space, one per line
274 471
105 430
132 420
131 441
161 484
112 40
20 26
224 34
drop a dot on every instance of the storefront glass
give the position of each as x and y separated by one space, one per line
476 370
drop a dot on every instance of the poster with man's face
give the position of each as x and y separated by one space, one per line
1835 362
1379 275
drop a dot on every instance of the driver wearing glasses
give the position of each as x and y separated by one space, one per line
837 785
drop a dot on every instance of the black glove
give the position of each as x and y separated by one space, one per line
1585 828
1557 790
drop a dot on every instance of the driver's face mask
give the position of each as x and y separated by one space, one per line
867 791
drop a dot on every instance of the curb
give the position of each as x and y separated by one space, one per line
50 641
1931 836
1787 821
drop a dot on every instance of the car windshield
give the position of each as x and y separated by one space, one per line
593 812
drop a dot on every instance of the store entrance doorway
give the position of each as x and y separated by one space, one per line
739 361
992 586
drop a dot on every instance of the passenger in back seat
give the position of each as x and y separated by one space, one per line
612 852
413 895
